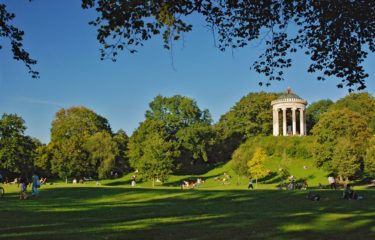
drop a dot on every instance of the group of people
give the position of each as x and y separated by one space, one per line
35 185
190 184
224 179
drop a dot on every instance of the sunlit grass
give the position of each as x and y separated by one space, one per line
118 211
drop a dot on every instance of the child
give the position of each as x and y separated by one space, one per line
23 186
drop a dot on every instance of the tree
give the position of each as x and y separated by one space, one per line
370 158
315 110
251 116
103 151
177 112
122 161
70 131
256 166
362 103
137 141
334 125
346 160
156 162
335 34
180 122
43 159
17 151
239 163
15 36
195 142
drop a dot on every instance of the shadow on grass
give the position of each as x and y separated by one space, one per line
136 213
118 183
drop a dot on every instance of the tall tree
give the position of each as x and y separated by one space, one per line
122 161
156 162
70 131
180 122
239 162
362 103
43 160
17 151
370 158
251 116
346 159
315 110
256 166
334 125
335 34
102 153
177 112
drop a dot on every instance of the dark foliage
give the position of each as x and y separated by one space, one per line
335 34
15 36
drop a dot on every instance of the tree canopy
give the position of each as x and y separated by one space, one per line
256 164
81 144
15 36
335 34
251 116
178 121
362 103
17 151
335 129
315 110
370 158
156 162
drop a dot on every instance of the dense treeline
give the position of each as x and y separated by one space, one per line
178 137
342 140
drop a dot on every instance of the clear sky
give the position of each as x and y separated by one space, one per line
59 37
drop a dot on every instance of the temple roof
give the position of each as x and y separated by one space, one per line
289 94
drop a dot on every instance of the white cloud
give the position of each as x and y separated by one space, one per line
37 101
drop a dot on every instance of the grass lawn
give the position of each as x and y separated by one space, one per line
86 211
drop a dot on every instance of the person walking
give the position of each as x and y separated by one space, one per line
332 182
23 188
35 185
250 184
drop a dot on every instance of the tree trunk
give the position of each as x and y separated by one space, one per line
256 182
153 183
238 180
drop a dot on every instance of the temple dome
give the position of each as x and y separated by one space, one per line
288 97
288 94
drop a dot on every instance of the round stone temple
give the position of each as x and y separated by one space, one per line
289 107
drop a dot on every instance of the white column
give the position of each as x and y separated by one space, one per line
294 121
275 122
284 122
302 121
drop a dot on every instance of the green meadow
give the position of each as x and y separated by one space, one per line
115 210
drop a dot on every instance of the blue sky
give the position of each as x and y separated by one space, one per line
59 37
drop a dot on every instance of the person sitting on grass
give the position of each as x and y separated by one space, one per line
349 194
313 196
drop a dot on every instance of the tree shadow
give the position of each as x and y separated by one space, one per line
127 213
